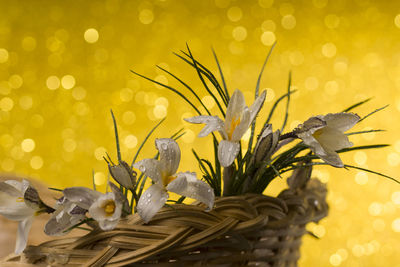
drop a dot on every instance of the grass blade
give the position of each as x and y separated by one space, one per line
366 131
362 147
144 141
208 177
207 73
204 82
276 104
253 124
374 172
373 112
357 104
287 103
169 88
93 181
222 75
262 70
116 137
188 87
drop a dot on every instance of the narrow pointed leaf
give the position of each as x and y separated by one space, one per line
356 105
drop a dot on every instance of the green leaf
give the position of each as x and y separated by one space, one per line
207 73
171 89
356 105
188 87
55 189
253 125
366 131
116 137
362 147
287 103
276 104
222 76
208 176
370 171
373 112
93 181
144 141
204 83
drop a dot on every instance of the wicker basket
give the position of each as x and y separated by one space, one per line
249 230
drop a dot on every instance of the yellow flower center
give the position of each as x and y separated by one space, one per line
317 133
109 207
20 199
168 179
235 122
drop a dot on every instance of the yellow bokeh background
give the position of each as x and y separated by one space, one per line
65 64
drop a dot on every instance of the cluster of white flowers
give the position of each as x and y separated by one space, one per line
19 201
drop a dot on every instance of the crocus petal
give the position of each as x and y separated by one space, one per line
14 208
170 155
10 190
97 211
310 126
266 144
119 197
22 235
151 202
227 152
16 184
151 168
58 226
258 103
186 184
310 141
32 199
108 225
341 121
235 109
333 139
331 157
243 126
327 155
83 196
213 123
123 174
66 215
25 185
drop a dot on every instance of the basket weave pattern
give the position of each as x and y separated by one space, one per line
249 230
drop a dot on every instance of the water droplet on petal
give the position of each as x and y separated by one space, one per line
164 146
142 168
209 190
148 200
148 195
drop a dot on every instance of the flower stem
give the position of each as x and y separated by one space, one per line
227 175
287 135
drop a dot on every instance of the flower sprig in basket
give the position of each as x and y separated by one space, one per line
232 223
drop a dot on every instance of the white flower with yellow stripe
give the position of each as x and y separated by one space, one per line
163 173
106 209
14 207
238 119
324 134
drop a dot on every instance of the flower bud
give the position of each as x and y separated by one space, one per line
266 144
123 174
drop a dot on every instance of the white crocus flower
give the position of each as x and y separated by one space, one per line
106 209
325 135
163 173
13 207
66 215
238 119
